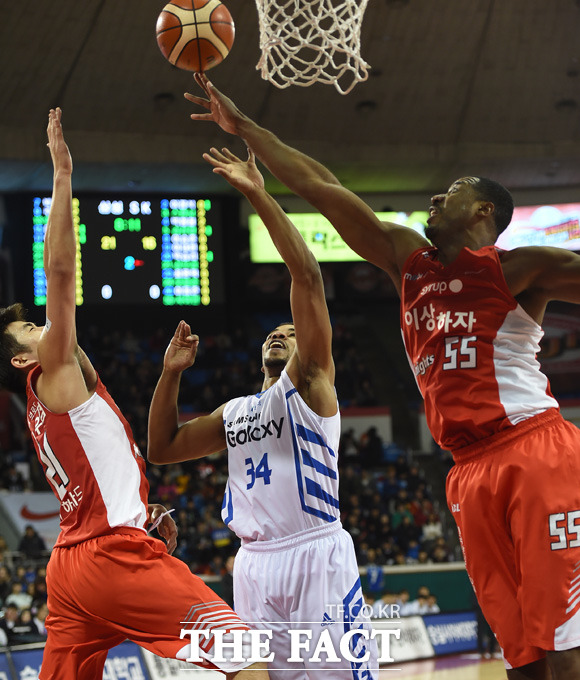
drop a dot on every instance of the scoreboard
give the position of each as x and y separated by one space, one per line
135 249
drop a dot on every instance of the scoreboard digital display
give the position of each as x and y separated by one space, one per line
163 251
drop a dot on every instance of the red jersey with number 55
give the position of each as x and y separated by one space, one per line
471 346
92 463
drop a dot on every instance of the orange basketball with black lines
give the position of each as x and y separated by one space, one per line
195 35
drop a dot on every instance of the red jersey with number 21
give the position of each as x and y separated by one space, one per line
471 346
92 463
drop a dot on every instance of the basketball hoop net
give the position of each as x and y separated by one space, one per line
308 41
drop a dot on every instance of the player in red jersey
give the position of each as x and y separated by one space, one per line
107 579
470 317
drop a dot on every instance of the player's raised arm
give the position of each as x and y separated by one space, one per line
537 275
384 244
311 367
61 384
167 441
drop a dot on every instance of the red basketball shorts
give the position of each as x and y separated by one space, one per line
124 586
516 501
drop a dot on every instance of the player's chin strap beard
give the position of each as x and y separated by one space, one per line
275 363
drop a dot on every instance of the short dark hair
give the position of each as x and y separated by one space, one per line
490 190
11 378
284 323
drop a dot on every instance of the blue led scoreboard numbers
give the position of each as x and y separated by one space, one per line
136 250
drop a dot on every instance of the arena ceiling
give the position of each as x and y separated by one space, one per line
457 87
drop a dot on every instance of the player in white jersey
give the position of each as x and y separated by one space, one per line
296 568
107 579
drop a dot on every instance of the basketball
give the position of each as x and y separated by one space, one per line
195 35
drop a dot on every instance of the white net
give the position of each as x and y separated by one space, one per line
312 41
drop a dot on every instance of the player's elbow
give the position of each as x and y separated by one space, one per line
309 275
61 270
158 455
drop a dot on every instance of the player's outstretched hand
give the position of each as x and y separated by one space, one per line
243 175
181 351
61 158
222 110
166 528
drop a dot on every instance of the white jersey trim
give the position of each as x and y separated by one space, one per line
523 388
120 483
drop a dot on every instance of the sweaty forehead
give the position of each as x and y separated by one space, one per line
16 326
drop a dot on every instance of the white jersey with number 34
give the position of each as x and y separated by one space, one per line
283 465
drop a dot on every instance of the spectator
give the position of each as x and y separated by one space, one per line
31 544
414 479
167 490
27 574
348 449
420 604
13 480
40 617
401 511
407 607
5 583
391 483
432 606
365 394
412 553
406 534
24 626
18 597
8 623
385 606
40 589
440 552
423 557
371 449
432 529
375 575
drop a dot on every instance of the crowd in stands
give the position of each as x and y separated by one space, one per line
386 503
23 590
393 605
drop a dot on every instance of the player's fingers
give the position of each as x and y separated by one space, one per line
216 153
251 156
201 81
201 116
182 330
194 99
211 160
229 155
